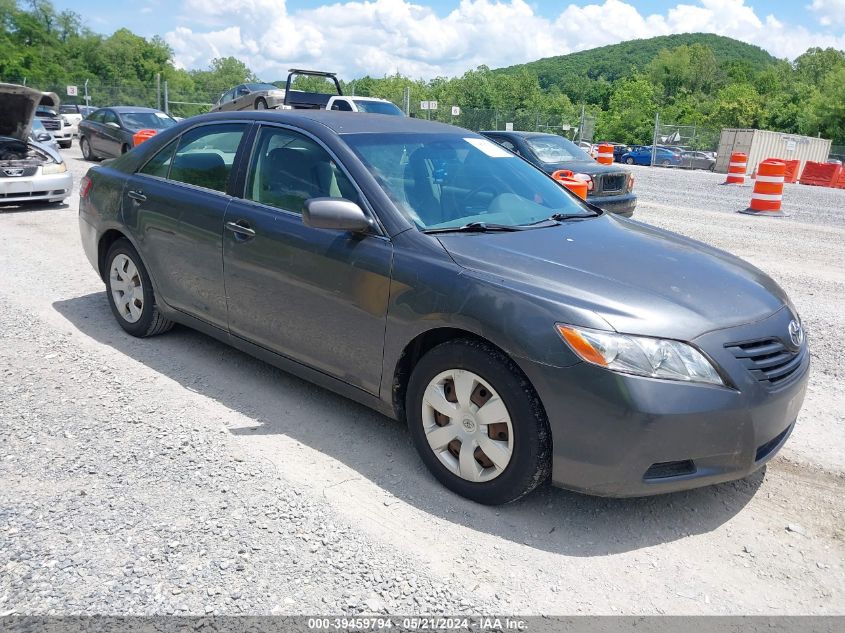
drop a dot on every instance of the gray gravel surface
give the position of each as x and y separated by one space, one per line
177 475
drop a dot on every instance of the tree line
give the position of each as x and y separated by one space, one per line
689 84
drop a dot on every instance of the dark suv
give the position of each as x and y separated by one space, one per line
609 186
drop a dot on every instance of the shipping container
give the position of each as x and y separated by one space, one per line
763 144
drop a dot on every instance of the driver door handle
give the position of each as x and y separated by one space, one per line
137 196
241 228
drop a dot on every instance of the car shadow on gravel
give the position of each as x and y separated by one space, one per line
25 207
380 450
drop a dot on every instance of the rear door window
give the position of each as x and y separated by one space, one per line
206 155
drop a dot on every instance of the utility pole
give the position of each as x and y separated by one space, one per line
581 124
654 140
166 99
87 98
406 100
158 91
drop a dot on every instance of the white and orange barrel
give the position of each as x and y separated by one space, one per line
605 156
736 169
567 179
768 189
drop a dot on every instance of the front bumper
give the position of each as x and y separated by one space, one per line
619 435
54 187
621 205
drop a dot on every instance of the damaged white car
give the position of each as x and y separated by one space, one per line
29 170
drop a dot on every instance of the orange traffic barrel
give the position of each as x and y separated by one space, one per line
142 135
736 169
605 156
768 189
575 185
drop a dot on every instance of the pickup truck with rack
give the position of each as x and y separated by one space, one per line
299 99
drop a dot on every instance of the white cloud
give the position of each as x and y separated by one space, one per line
829 12
379 37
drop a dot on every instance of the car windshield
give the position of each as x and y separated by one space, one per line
378 107
45 112
555 149
449 180
261 87
146 120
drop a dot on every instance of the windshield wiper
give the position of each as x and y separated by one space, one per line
475 227
560 217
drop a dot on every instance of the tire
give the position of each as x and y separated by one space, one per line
521 434
85 148
260 103
66 145
712 167
140 316
664 163
629 161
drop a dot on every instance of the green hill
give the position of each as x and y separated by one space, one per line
609 63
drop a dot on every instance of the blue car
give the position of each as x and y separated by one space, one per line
642 156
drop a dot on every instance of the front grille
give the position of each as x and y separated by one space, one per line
612 183
768 360
664 470
52 124
28 170
765 449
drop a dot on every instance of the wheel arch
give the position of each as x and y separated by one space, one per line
416 348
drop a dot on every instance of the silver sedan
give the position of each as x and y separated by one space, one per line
250 97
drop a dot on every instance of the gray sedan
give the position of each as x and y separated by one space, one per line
697 160
427 272
250 97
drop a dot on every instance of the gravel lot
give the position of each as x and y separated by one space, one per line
177 475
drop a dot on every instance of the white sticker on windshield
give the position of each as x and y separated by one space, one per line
489 147
162 115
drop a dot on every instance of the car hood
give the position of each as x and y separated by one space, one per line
17 109
589 167
636 278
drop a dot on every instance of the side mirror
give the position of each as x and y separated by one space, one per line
113 125
334 213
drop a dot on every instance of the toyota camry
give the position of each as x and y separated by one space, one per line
522 334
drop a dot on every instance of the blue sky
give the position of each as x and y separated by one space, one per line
425 38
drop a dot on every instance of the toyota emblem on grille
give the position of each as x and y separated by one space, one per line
13 172
796 333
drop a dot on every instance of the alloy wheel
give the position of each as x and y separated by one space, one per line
126 288
467 425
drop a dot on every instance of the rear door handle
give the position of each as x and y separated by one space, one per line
241 228
137 196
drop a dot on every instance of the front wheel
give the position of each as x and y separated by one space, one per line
664 163
629 161
260 104
477 422
66 145
130 292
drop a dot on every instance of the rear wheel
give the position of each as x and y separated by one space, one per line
477 422
85 148
260 104
130 292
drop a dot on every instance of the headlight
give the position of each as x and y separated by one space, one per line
53 168
640 355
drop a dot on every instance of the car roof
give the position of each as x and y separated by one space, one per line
520 133
128 109
340 122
